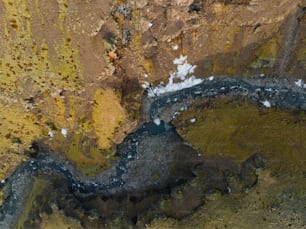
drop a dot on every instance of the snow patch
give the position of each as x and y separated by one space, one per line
64 132
157 121
266 103
150 24
193 120
211 78
300 83
51 134
182 73
175 47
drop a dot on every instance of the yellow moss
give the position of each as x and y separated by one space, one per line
137 39
1 198
15 123
301 52
237 131
219 9
148 66
267 53
107 115
86 126
63 112
63 10
270 48
86 156
54 109
38 187
68 65
231 71
26 56
58 220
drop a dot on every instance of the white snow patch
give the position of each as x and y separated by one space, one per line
211 78
266 103
146 75
183 72
169 40
181 60
175 47
262 75
175 114
150 24
193 120
2 181
300 83
157 121
184 108
51 134
64 132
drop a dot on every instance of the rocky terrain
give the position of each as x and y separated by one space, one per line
72 75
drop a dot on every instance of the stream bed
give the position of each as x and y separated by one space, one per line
221 141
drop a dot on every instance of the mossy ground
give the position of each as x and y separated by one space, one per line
17 130
45 86
31 204
58 220
230 128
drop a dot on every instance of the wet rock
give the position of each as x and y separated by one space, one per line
195 6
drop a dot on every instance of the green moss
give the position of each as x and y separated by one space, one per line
1 198
301 52
238 129
266 54
86 155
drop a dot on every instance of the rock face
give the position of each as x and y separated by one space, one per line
221 37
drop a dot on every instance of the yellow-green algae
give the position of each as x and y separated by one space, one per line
237 129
